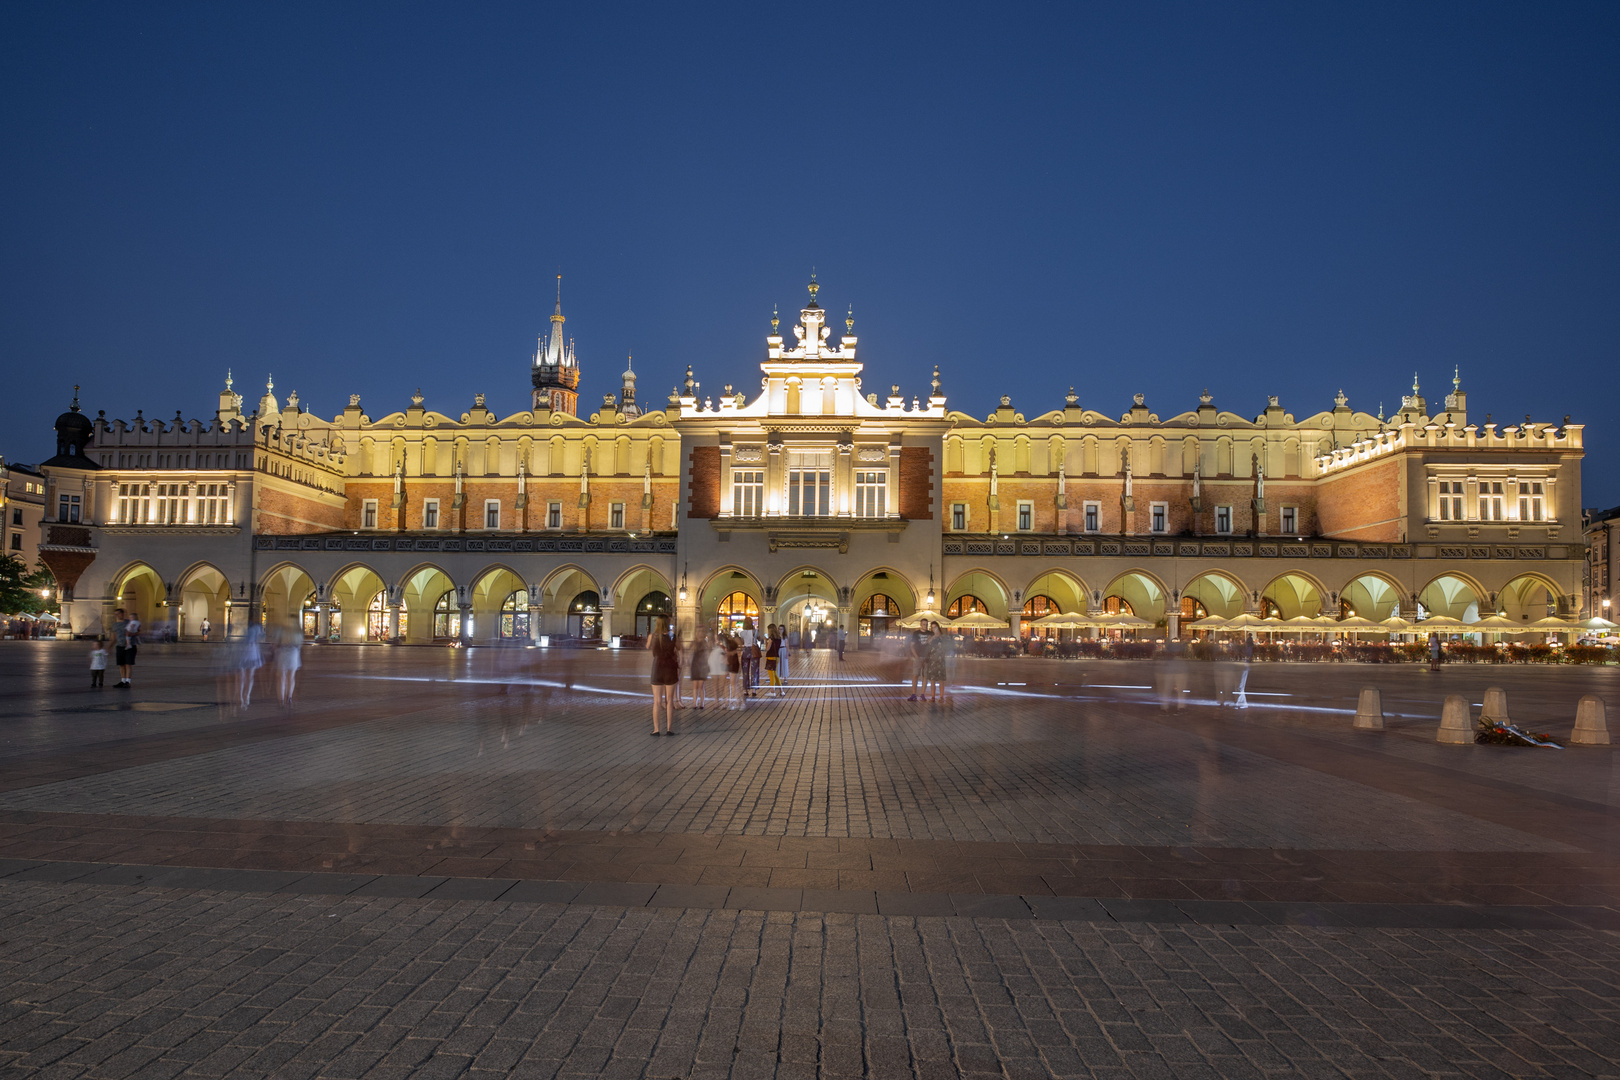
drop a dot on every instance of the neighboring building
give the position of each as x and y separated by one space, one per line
814 502
22 508
1602 529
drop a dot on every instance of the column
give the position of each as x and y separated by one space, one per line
846 623
173 618
536 627
393 620
466 609
607 623
323 622
1172 619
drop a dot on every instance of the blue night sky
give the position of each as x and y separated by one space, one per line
1283 199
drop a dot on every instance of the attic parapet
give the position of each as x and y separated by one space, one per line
1560 438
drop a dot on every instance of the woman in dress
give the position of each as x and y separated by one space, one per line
773 660
289 658
699 666
666 674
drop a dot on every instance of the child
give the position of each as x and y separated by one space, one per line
98 663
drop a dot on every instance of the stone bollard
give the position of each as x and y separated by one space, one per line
1370 710
1591 724
1495 707
1456 726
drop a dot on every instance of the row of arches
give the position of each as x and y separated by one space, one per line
425 604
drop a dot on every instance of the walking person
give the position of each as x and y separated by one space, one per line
207 628
666 674
98 664
126 637
698 667
733 647
773 659
750 658
915 651
934 664
289 658
249 659
841 644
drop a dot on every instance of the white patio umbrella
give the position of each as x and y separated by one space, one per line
918 618
977 620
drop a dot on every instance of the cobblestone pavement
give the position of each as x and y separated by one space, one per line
446 862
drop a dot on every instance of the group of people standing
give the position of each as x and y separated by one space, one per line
734 656
931 652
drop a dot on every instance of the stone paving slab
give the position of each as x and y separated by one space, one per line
119 982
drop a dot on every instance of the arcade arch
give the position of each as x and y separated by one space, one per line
1218 595
141 593
573 604
1064 590
1137 593
285 592
500 606
1528 598
721 588
641 596
352 593
986 588
204 595
1289 596
428 607
1370 596
1451 596
807 605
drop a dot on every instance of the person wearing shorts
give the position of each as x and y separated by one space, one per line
126 636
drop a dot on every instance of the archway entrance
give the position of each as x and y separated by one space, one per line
141 595
810 623
203 598
735 608
1449 597
1369 597
585 616
1289 597
876 614
649 609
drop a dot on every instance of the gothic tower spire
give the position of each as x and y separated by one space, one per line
555 374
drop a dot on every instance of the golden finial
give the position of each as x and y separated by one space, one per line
815 287
849 321
775 319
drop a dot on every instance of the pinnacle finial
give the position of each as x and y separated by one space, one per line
269 383
776 319
814 287
849 320
228 381
1456 379
1414 384
76 398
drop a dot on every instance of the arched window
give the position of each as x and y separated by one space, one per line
735 608
962 605
875 615
585 615
446 617
1269 608
515 616
1036 607
649 609
1118 605
310 618
1192 609
334 621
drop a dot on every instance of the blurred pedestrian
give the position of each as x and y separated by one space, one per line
698 666
773 659
750 656
840 643
733 647
249 659
207 628
289 658
666 674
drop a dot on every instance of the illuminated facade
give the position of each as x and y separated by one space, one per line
813 498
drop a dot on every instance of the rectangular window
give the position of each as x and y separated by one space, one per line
430 513
67 508
16 515
747 492
1451 500
1223 519
16 541
1490 500
368 514
1160 517
1531 507
492 513
213 504
1026 516
170 504
959 517
554 515
616 515
809 492
133 503
1290 519
1093 517
871 493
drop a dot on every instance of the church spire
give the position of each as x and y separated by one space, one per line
555 375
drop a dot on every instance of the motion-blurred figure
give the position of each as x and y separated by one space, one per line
289 658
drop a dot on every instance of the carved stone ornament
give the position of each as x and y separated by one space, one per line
750 454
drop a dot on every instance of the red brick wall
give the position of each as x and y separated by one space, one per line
1363 504
706 482
916 488
283 513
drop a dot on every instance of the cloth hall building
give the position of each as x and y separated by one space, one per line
815 502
